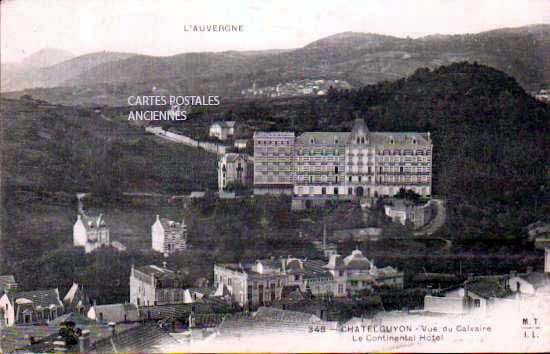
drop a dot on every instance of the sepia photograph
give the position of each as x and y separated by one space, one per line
274 176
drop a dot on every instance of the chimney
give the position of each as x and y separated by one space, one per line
158 217
546 260
60 346
429 289
333 260
84 341
324 236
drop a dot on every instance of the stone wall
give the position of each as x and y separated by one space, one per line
444 304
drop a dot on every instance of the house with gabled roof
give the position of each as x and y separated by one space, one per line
473 296
7 283
241 144
234 169
76 300
362 273
222 130
31 307
168 236
153 285
90 232
114 313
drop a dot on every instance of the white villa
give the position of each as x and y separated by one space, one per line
168 236
222 130
90 232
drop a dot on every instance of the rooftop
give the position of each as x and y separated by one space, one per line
147 337
273 135
537 279
16 338
356 260
42 298
170 224
274 314
6 282
230 157
92 222
227 124
487 288
157 272
360 130
322 138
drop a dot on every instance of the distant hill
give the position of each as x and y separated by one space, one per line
143 68
358 58
19 76
57 75
46 57
28 72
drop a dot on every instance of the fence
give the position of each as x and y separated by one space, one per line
182 139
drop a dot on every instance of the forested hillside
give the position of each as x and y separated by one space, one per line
55 148
490 142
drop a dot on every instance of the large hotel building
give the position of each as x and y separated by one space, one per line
359 163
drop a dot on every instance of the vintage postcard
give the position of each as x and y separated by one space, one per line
275 176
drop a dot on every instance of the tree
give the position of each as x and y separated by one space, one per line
409 195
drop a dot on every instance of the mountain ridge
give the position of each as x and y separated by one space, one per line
358 57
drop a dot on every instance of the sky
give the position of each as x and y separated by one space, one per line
156 27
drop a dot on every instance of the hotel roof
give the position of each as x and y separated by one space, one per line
273 135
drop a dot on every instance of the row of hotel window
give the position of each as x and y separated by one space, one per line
360 153
390 178
359 140
273 154
405 159
359 191
229 281
336 170
325 179
322 162
273 142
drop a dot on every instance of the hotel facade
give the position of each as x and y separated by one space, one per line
345 164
